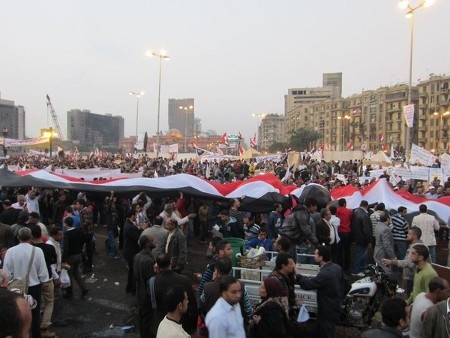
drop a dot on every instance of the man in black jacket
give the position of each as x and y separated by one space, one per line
329 284
143 269
163 281
362 236
131 233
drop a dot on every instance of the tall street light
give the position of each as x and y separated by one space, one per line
343 119
162 55
410 14
259 118
138 96
186 109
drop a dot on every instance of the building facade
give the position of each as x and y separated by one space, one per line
90 131
12 120
182 116
271 130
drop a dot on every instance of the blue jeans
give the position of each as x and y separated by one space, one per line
111 244
432 250
361 259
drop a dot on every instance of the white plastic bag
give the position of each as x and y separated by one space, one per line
65 279
303 314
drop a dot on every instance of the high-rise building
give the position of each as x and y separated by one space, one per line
271 130
90 131
12 119
182 116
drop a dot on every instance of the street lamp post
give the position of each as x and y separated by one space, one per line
404 4
138 96
259 118
162 55
343 119
186 111
5 135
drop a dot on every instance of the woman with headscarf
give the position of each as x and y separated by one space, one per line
270 318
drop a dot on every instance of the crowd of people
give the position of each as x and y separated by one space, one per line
46 232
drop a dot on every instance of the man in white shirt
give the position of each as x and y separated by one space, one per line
176 302
32 201
20 204
428 224
439 290
224 320
17 260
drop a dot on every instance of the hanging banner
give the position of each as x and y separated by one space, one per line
408 112
421 155
10 142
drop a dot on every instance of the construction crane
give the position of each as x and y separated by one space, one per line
55 118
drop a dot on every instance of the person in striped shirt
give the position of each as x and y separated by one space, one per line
399 230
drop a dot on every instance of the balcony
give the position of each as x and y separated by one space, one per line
423 105
444 90
423 94
423 128
423 117
444 127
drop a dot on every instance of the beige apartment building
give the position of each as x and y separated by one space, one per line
271 130
373 120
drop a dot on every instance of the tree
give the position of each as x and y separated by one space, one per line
279 146
303 138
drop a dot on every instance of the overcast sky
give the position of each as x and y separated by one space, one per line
234 57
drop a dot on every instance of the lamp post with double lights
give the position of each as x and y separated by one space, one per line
187 110
410 14
5 135
162 55
138 95
259 118
343 119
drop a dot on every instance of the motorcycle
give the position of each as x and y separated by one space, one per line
366 295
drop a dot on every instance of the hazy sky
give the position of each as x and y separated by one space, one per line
234 57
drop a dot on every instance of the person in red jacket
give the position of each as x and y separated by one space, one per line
345 234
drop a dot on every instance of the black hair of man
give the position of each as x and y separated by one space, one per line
10 317
23 217
225 283
323 212
437 283
34 215
221 245
68 221
422 250
215 240
173 296
223 266
143 241
333 209
131 213
342 202
262 229
36 231
384 217
325 252
158 220
364 203
54 231
401 209
381 207
423 208
284 244
276 206
392 311
24 234
310 201
417 231
163 261
281 259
